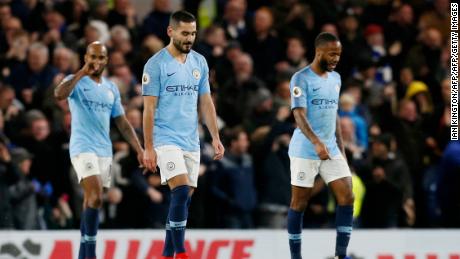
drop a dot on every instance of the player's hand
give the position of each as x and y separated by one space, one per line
322 151
88 69
150 160
140 158
219 149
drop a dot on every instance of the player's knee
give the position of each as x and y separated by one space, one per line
95 200
298 204
180 194
347 199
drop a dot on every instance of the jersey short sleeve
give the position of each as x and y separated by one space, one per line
298 88
151 78
204 87
117 108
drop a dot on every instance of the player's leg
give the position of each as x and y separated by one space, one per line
303 173
168 249
342 190
92 188
178 212
299 201
87 169
337 175
192 164
174 173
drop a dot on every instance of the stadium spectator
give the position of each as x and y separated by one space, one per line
16 54
32 79
65 60
239 91
60 216
347 108
350 141
56 34
233 183
351 39
23 192
295 56
213 44
234 20
124 14
424 57
274 192
8 176
389 195
437 17
157 20
282 96
263 45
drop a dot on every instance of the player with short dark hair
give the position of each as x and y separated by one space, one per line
93 101
316 145
174 81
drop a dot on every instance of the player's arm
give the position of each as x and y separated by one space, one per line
210 118
128 133
298 88
64 88
300 116
150 104
151 84
338 136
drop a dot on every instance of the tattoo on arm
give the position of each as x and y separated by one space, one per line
128 132
150 104
338 135
64 89
304 125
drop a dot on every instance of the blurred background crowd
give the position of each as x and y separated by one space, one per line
394 110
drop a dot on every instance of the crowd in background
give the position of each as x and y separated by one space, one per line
394 110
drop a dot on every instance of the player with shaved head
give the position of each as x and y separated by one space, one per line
93 101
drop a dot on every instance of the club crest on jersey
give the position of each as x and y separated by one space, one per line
296 91
337 88
196 73
145 78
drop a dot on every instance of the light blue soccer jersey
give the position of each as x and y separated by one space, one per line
320 96
92 105
178 87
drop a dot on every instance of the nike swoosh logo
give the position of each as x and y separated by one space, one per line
315 89
86 89
171 74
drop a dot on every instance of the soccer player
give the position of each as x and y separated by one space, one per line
174 81
316 145
93 101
